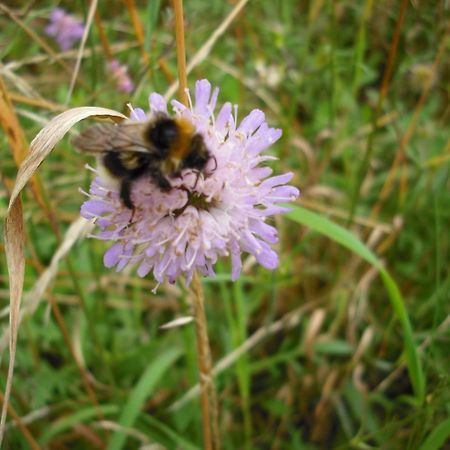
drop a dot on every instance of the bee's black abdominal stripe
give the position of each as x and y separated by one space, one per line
160 148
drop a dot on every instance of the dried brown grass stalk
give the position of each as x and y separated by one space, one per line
76 70
181 50
35 37
138 28
16 137
208 397
206 48
69 54
209 405
14 237
21 425
406 137
287 322
19 98
103 37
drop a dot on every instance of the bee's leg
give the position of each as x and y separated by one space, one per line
197 172
125 196
132 216
160 180
125 193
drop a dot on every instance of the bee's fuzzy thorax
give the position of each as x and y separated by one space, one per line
182 145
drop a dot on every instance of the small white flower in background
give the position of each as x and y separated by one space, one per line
223 213
271 75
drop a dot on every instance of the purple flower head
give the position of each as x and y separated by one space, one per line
223 212
65 28
120 75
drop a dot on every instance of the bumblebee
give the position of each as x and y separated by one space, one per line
160 148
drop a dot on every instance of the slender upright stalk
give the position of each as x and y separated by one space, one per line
204 359
181 51
138 28
210 410
102 34
21 425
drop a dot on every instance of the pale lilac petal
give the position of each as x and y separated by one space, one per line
278 180
178 106
169 234
283 194
144 269
125 257
268 258
112 255
223 118
265 231
236 265
202 95
260 143
213 101
138 114
95 208
157 103
251 122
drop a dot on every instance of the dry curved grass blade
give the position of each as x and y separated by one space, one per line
31 299
14 238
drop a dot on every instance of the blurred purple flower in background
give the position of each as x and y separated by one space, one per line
223 213
120 74
65 28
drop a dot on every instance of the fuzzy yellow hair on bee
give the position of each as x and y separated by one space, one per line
161 148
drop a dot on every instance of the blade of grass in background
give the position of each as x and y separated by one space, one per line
154 372
84 415
350 241
167 431
438 437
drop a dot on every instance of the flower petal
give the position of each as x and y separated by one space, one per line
157 104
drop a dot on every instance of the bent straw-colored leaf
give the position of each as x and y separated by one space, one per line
31 299
40 147
178 322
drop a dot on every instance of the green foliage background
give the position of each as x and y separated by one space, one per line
352 330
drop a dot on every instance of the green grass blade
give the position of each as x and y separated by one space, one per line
177 439
350 241
140 393
84 415
438 437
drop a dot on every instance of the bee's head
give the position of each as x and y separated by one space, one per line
199 155
163 134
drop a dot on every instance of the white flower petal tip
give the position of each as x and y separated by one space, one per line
223 212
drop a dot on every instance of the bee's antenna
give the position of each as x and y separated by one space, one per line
198 173
215 162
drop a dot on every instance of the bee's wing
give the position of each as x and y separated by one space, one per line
127 136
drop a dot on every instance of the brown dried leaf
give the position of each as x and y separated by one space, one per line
10 124
40 147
